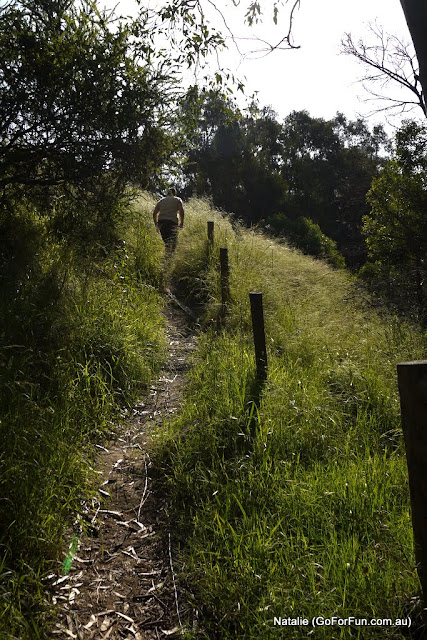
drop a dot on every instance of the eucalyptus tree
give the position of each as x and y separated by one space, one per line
415 12
416 18
329 165
79 95
396 226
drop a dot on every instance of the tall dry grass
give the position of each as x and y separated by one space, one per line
290 500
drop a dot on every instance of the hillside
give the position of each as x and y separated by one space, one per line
285 500
290 500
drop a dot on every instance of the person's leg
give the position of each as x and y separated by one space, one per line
173 238
169 233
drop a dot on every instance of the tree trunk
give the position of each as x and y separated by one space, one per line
416 17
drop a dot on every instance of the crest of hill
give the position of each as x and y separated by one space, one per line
303 296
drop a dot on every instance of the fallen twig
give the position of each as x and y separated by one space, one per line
145 487
174 585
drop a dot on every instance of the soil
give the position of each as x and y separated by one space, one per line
122 582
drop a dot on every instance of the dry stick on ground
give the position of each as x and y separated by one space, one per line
174 584
144 493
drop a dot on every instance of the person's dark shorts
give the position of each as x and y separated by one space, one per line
169 232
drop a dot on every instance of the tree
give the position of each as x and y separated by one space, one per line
251 164
329 165
416 18
79 96
415 12
233 157
86 108
396 227
389 61
179 11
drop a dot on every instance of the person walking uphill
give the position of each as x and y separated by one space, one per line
165 216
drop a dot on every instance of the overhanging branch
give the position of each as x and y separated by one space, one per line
394 63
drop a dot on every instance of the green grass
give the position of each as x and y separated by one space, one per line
80 342
288 500
291 500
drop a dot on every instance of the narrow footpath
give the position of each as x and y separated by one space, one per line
122 582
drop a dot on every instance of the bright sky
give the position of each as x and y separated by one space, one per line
315 77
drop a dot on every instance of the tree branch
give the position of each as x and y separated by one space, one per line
392 60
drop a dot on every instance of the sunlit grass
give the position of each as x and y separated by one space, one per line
291 500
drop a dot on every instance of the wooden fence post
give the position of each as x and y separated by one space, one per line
412 380
225 277
259 335
211 225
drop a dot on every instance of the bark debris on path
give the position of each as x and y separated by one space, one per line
122 583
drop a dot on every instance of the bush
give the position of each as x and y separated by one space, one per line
306 235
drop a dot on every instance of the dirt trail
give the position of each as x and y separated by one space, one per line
122 584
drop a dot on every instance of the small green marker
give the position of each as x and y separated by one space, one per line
71 553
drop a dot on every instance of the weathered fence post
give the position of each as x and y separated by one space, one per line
259 335
412 380
211 225
225 277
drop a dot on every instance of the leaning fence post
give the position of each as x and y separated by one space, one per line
225 277
259 335
412 380
211 225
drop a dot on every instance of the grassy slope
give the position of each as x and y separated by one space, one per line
78 345
292 501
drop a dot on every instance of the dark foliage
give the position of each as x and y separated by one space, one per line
396 226
254 166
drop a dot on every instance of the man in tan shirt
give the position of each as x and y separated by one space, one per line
165 217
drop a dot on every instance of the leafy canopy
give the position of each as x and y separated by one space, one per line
79 95
396 228
87 107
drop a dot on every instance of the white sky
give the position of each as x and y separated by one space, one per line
315 77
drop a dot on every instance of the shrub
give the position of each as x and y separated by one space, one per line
306 235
